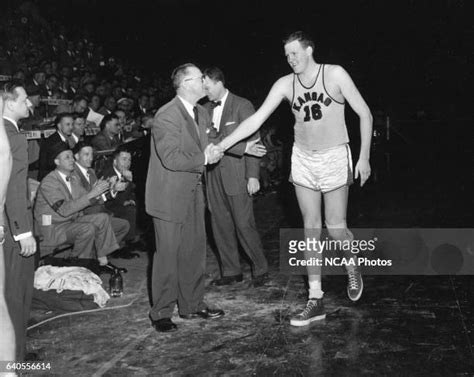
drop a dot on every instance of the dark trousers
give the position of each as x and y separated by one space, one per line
128 213
233 221
179 263
19 278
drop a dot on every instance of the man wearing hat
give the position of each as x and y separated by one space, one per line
59 211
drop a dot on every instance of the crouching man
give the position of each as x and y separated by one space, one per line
59 212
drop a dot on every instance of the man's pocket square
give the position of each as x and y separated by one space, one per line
230 123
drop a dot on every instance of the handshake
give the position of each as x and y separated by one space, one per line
213 153
252 148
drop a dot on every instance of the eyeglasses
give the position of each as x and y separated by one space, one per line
194 78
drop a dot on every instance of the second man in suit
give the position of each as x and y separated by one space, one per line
231 182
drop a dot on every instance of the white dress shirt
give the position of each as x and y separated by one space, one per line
217 112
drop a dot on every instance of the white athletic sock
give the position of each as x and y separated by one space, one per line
315 291
103 261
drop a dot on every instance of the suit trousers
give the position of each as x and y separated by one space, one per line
179 263
19 278
128 213
120 227
233 221
88 231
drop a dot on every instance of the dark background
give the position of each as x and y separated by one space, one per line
405 56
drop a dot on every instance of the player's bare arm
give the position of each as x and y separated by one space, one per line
279 91
339 80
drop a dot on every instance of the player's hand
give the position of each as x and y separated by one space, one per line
254 149
213 154
363 169
28 246
253 185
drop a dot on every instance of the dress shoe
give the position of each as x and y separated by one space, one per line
204 314
227 280
164 325
260 280
110 268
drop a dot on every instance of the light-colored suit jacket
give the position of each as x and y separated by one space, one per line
176 161
55 202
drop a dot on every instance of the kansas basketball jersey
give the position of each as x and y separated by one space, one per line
319 118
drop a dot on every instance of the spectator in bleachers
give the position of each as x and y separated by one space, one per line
84 155
78 126
63 135
59 211
94 103
51 86
143 105
124 205
109 106
38 80
108 137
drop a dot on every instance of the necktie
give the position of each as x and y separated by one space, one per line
196 118
71 141
215 104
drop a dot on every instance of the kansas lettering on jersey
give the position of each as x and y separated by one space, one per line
319 118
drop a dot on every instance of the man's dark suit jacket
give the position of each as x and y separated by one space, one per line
176 161
235 167
46 162
102 141
17 204
19 270
123 196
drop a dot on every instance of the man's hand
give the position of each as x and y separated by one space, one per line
213 153
253 185
28 246
128 175
98 189
120 186
254 149
362 168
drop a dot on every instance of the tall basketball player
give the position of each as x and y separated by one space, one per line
321 165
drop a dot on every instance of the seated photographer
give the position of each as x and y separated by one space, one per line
124 205
59 212
84 155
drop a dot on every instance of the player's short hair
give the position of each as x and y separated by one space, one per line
179 73
301 37
9 89
215 74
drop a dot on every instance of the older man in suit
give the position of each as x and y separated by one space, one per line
231 182
175 199
59 211
20 244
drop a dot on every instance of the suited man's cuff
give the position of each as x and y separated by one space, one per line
22 236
